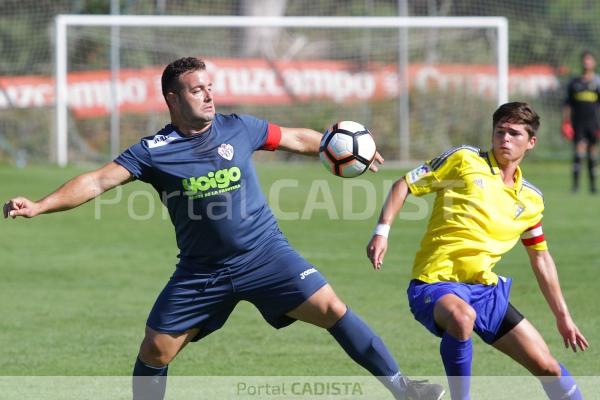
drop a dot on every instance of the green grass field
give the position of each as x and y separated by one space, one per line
75 290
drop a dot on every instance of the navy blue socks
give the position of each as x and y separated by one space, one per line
368 350
149 383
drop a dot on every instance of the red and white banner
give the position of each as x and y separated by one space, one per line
257 81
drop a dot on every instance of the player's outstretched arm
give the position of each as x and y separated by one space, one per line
300 140
306 141
73 193
547 277
393 203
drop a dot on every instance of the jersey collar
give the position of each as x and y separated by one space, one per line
496 171
175 132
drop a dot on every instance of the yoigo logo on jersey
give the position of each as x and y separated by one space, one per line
212 183
306 273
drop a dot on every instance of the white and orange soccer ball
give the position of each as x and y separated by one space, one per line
347 149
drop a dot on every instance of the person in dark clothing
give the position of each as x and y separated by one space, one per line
581 119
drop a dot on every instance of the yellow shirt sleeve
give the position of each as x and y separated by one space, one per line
436 173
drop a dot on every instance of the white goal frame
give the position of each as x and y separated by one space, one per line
62 22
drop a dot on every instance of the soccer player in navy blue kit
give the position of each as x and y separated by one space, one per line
231 248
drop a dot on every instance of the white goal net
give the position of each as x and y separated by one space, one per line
420 84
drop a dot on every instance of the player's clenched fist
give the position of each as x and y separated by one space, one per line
20 207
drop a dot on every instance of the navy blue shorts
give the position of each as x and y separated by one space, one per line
490 303
276 281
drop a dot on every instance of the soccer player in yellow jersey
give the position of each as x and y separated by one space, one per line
483 206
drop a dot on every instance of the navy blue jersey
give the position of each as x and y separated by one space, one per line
209 185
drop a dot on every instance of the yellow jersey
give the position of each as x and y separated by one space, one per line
476 218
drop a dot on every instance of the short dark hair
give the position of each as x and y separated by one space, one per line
586 53
177 68
517 113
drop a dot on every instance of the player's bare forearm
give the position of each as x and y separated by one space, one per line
71 194
377 246
85 187
300 140
547 277
394 202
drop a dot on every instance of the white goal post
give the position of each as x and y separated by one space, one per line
62 22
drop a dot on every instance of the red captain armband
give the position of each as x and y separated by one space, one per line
533 235
567 130
273 138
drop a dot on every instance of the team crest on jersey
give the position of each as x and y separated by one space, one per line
225 150
519 208
479 182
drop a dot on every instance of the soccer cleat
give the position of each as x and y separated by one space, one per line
422 390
